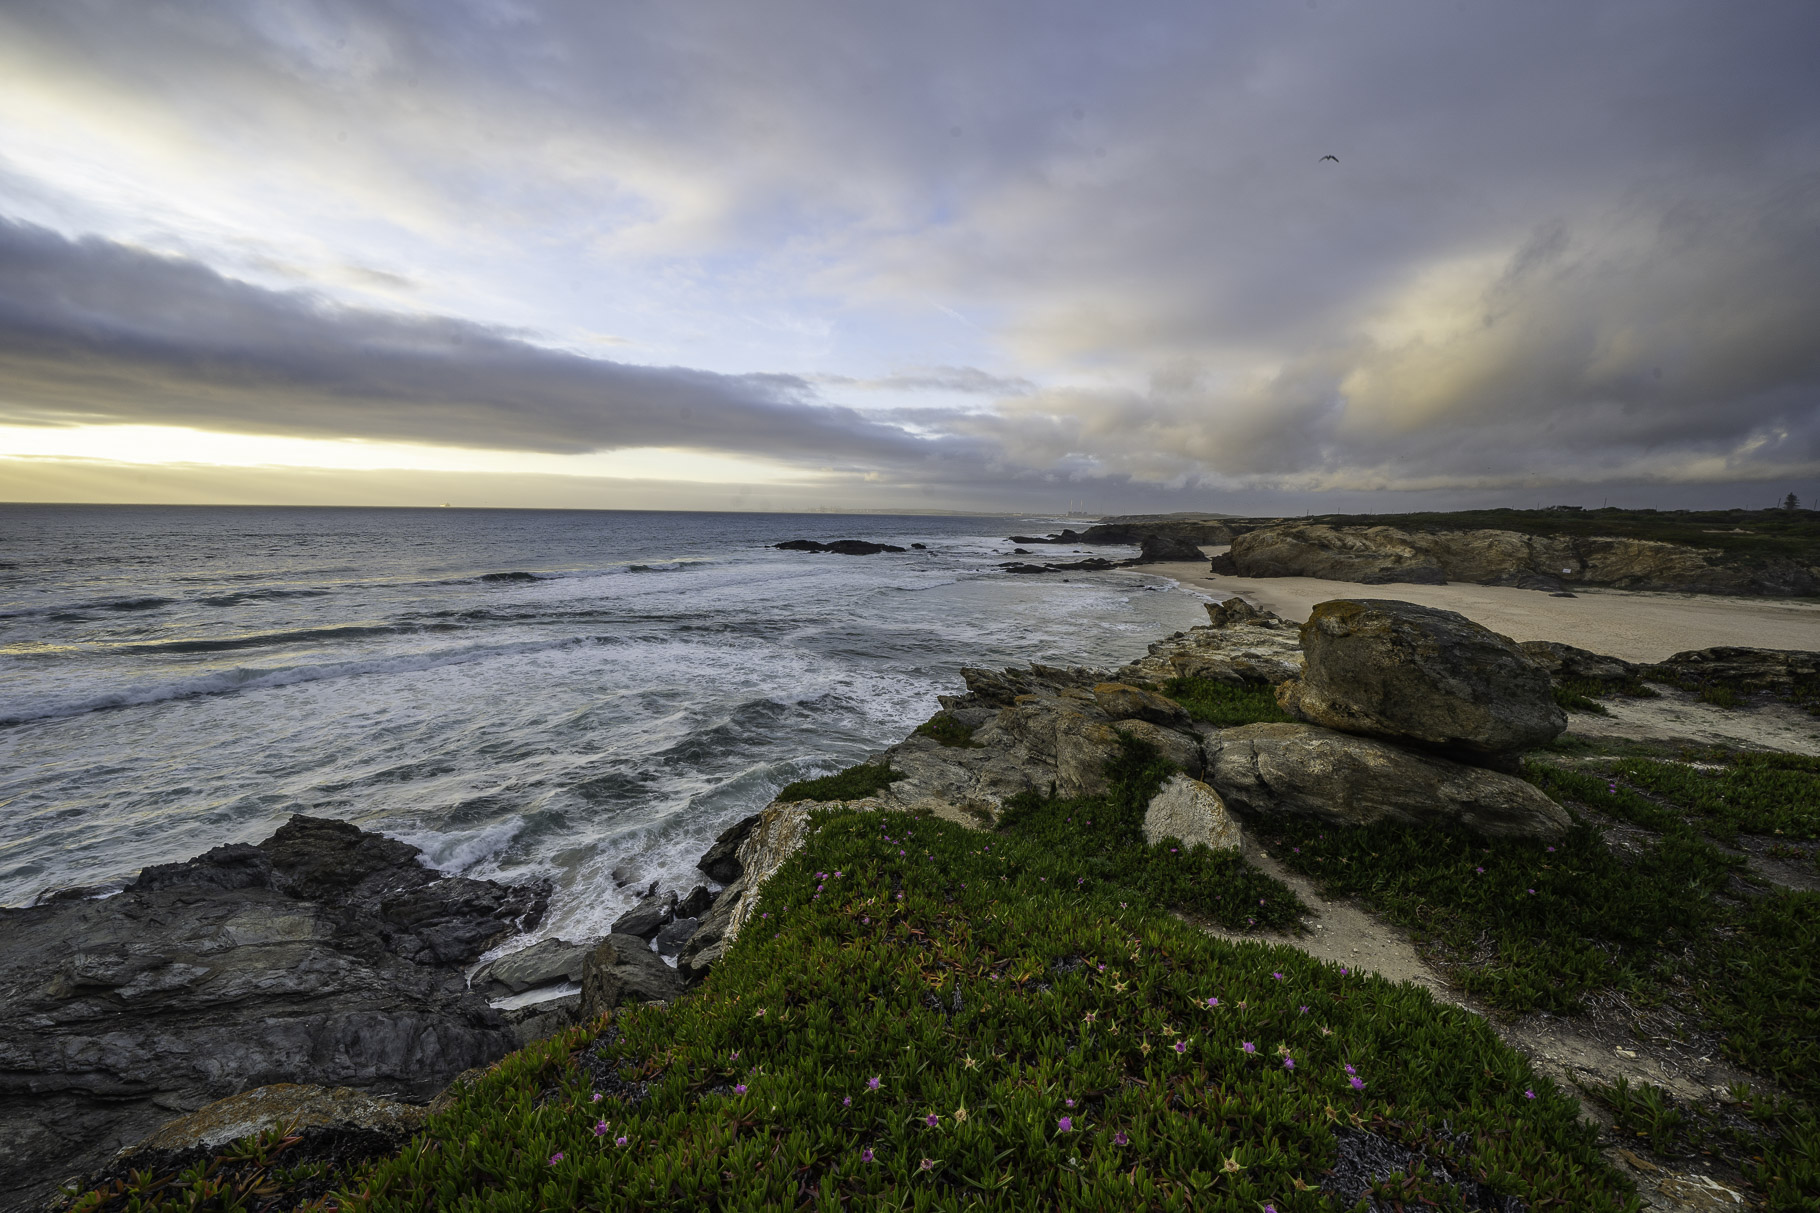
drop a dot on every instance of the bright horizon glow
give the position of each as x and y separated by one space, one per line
181 445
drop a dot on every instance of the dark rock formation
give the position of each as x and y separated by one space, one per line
721 862
706 945
1378 555
1302 769
1780 671
323 955
648 917
1565 661
623 970
676 933
545 963
1159 549
514 576
696 903
841 547
1424 676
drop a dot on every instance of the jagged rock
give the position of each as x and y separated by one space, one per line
1308 770
1182 749
648 917
675 934
543 1019
623 970
840 547
1372 555
1159 549
543 963
1421 675
323 955
959 783
1193 813
721 861
1121 701
708 943
696 903
291 1105
1241 644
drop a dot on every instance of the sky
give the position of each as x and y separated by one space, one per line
1258 256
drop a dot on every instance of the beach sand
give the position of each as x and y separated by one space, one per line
1636 626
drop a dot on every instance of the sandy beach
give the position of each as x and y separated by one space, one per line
1633 625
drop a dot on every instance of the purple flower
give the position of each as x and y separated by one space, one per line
734 1055
1345 972
596 1098
1480 871
872 1084
928 1164
1349 1068
1551 850
740 1089
600 1128
1213 1002
1065 1125
931 1120
1304 1010
1528 1094
1278 976
556 1158
1532 890
865 1155
1181 1046
1068 1102
1289 1063
1119 1139
1249 1047
619 1141
1358 1084
846 1101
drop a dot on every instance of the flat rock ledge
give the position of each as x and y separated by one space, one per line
325 955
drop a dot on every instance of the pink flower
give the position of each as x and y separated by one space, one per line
619 1141
1528 1094
739 1089
1068 1102
1289 1063
1358 1084
556 1158
872 1084
600 1128
1249 1047
1213 1002
596 1098
846 1101
1065 1125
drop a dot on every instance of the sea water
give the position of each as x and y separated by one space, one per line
587 696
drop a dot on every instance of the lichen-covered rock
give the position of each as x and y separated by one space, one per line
1193 813
1421 675
622 970
1303 769
1122 701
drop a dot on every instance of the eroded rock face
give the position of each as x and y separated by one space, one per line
1421 675
547 962
1193 813
1311 771
1159 549
1379 555
622 970
324 955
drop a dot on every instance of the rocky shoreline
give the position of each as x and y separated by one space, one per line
331 957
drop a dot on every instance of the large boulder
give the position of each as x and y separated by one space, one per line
324 955
648 917
1303 769
546 962
623 970
1192 813
1423 676
721 861
1122 701
1162 549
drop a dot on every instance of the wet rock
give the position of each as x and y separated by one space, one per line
622 970
544 963
707 944
696 903
675 934
1311 771
1192 813
1424 676
721 861
648 917
840 547
324 955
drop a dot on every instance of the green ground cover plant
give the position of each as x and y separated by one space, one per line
1225 705
854 783
948 731
1742 535
1542 926
933 1018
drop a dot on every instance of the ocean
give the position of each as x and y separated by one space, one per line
588 696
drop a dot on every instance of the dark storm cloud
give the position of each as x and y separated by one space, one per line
1563 242
95 331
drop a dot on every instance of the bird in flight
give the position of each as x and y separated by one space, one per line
1335 159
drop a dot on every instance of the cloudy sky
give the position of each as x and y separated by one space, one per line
852 254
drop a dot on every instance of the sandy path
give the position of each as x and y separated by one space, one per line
1637 626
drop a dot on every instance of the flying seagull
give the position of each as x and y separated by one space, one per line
1335 159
